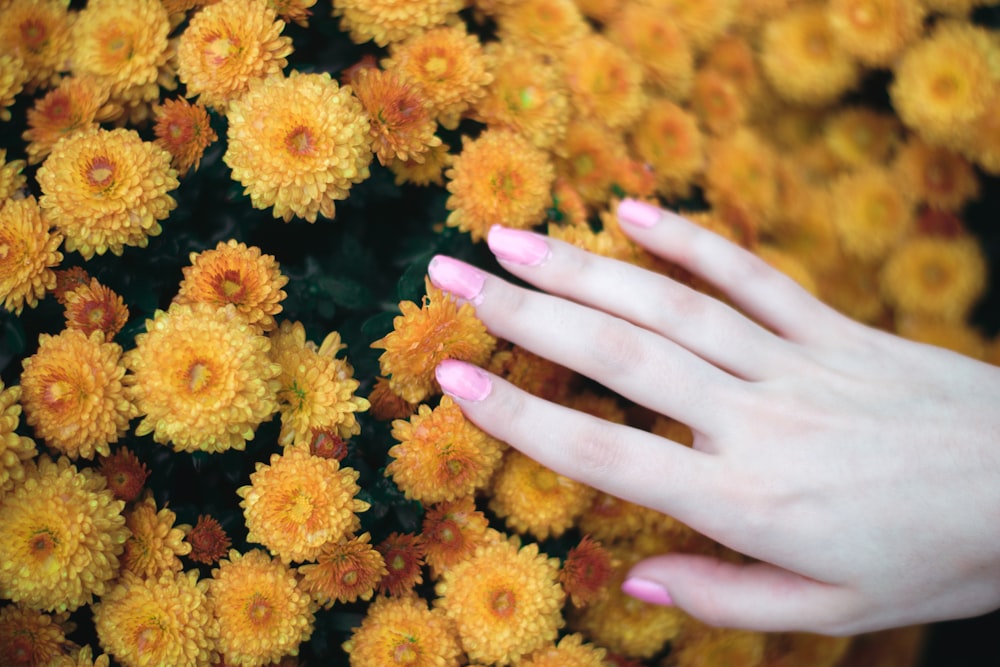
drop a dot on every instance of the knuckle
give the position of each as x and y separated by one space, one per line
597 452
618 348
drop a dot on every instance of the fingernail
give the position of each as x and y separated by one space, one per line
516 246
458 278
647 591
638 213
462 380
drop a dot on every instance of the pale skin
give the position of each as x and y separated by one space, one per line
859 470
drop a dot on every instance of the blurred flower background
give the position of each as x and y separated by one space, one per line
221 440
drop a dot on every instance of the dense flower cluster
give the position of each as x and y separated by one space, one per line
193 478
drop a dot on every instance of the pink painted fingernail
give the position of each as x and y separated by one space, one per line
647 591
516 246
458 278
462 380
638 213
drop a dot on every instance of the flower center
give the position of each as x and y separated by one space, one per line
258 610
863 15
199 376
95 314
945 86
545 480
58 392
230 286
34 34
818 45
299 141
42 545
436 67
349 578
59 108
300 507
101 173
939 178
220 49
405 652
503 603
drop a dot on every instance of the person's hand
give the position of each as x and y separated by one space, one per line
860 470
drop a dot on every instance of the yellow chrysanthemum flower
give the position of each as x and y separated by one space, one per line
702 22
499 175
604 82
297 144
742 176
293 11
14 449
237 274
656 42
316 388
428 172
74 397
158 620
534 374
388 21
155 543
530 498
263 614
571 651
588 160
402 127
982 145
700 645
12 180
28 251
934 277
226 46
424 336
37 32
105 189
943 83
954 335
82 657
344 571
543 26
937 176
299 503
717 101
505 601
871 212
403 631
802 59
122 43
202 378
441 455
61 532
857 136
77 103
12 78
29 638
95 307
183 130
610 519
852 287
875 31
668 139
451 532
448 65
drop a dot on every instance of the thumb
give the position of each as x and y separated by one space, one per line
755 596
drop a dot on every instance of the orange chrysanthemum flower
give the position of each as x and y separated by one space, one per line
568 206
209 542
424 336
12 180
29 638
125 473
734 58
571 651
934 277
611 519
403 631
37 32
943 83
105 189
742 176
941 178
403 555
74 396
542 26
12 78
14 449
263 614
226 46
293 11
123 44
94 307
717 101
530 498
701 644
982 145
297 144
668 139
68 280
871 212
604 82
401 123
532 373
702 22
505 601
61 532
345 571
875 31
448 65
441 455
28 251
387 404
528 95
189 353
237 274
316 388
588 159
158 620
429 172
300 502
956 336
156 543
586 571
451 533
857 136
653 38
388 21
499 175
802 59
327 445
183 130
